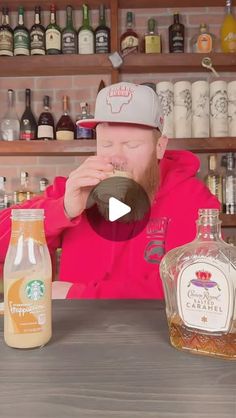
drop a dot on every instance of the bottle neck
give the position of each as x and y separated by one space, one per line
65 106
228 8
37 18
176 19
21 19
102 18
86 22
5 20
10 100
69 19
53 18
209 229
29 229
27 100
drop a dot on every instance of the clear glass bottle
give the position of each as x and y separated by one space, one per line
6 35
199 281
129 40
3 195
53 34
37 34
27 282
46 128
21 36
228 30
10 124
213 179
152 40
86 34
28 124
229 184
82 132
65 128
203 41
102 33
69 34
176 35
24 192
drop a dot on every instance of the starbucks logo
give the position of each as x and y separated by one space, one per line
35 289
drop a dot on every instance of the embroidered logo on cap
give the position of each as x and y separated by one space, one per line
118 97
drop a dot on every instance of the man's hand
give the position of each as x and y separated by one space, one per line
81 181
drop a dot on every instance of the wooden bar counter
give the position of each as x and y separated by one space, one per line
112 359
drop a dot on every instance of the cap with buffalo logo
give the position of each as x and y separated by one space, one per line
127 103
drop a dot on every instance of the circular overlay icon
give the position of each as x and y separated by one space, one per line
118 209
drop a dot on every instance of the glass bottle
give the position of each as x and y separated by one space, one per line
4 203
21 36
129 40
213 179
86 34
65 128
82 132
228 30
53 34
152 41
10 125
28 125
176 35
24 192
229 184
102 34
46 128
199 281
69 34
37 34
27 282
203 41
6 35
43 183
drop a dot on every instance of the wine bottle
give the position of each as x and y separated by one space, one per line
176 35
37 34
86 34
6 35
102 34
53 34
10 125
21 36
69 35
65 128
28 125
46 129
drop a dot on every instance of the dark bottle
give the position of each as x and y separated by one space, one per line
129 40
65 129
69 34
102 34
46 129
176 35
229 184
53 34
28 125
37 34
21 36
82 132
6 35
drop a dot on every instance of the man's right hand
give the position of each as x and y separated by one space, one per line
81 181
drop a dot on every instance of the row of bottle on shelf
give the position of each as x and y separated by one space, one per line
53 40
24 192
27 128
222 182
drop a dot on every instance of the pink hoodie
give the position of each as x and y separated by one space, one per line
99 268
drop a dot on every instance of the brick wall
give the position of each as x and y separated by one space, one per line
80 88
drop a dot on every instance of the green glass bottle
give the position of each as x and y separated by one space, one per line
86 34
102 33
21 36
53 34
69 34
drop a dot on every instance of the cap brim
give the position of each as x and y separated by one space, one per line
92 123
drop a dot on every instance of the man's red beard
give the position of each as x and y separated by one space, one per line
149 180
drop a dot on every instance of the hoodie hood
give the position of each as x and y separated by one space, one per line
175 168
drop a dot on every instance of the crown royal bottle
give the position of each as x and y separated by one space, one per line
199 283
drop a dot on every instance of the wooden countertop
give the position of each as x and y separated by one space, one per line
112 359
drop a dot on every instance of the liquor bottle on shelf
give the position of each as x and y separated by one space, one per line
21 36
228 30
229 184
53 34
28 125
129 40
199 286
46 128
203 41
24 192
81 132
213 179
4 199
37 34
10 124
65 128
69 34
176 35
6 35
152 41
101 86
102 34
43 183
86 34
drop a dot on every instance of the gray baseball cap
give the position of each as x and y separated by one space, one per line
127 103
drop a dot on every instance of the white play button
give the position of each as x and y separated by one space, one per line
117 209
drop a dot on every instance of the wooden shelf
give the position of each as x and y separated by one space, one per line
186 62
88 147
54 65
228 221
60 4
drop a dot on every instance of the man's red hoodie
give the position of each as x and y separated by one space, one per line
100 268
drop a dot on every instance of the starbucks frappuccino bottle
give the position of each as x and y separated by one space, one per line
27 282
